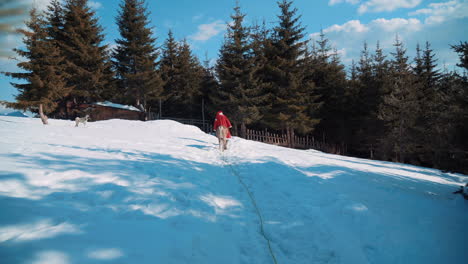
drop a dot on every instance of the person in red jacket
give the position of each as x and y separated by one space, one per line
221 126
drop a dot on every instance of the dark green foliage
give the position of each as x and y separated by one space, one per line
401 108
240 94
388 109
43 80
88 62
462 50
293 95
182 76
187 94
209 90
330 78
168 69
135 57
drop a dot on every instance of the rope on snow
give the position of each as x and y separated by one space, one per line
254 203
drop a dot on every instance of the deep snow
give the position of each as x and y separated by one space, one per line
160 192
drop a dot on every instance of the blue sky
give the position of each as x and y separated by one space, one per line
347 23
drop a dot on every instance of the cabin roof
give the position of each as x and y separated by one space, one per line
119 106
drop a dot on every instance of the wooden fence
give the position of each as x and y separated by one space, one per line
306 142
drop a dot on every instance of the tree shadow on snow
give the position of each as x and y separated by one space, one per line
130 204
146 207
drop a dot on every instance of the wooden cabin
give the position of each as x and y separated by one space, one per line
108 110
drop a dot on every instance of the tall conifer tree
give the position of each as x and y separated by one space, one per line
236 72
44 84
135 57
188 77
88 61
209 89
168 71
401 107
292 96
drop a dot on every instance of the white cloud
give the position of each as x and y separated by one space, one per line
388 25
39 230
397 24
386 5
105 254
94 5
439 12
207 31
50 257
350 36
350 26
334 2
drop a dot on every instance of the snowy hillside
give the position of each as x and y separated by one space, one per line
160 192
5 111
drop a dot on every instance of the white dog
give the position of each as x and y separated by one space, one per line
81 120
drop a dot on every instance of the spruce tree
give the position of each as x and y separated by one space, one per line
55 21
168 71
260 43
236 73
292 96
44 85
209 89
380 73
367 106
427 77
182 75
462 50
135 57
88 61
187 96
400 109
330 79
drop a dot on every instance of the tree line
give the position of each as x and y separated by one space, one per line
387 106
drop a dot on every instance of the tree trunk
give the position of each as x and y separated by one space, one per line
234 125
290 136
243 130
44 118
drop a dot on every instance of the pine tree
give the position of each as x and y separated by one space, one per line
330 78
168 71
451 148
187 97
369 98
427 77
55 21
400 109
260 43
239 86
182 75
462 50
380 73
88 62
135 57
292 96
44 84
209 89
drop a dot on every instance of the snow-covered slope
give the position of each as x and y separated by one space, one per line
160 192
5 111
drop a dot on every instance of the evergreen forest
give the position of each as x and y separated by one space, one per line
268 76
